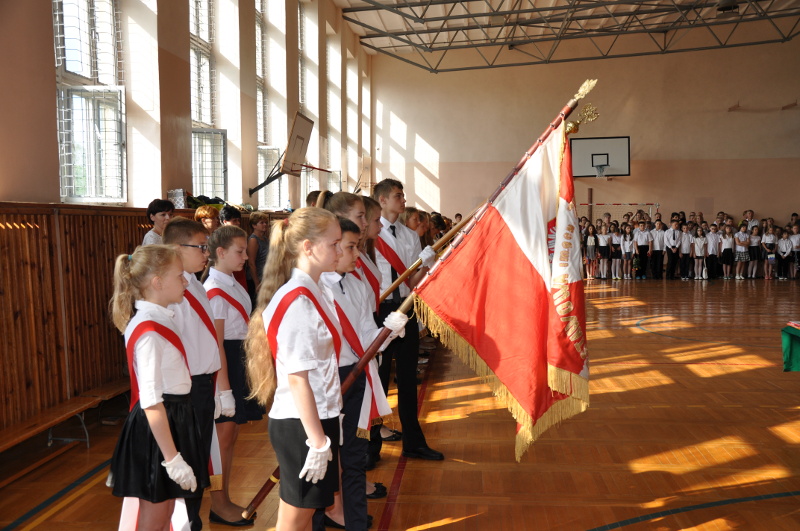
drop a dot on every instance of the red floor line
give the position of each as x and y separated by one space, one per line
394 488
596 363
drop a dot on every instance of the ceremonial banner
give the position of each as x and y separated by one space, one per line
508 299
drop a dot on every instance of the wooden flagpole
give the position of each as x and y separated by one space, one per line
457 235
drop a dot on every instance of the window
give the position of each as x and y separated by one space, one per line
90 101
209 145
275 195
209 162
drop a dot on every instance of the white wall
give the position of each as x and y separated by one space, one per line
452 137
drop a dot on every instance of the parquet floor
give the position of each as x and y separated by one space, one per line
693 425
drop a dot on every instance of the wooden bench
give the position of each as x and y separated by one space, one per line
52 416
22 431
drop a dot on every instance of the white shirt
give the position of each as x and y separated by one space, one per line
159 366
602 240
201 346
795 239
353 298
755 240
152 238
407 247
235 325
627 245
685 244
768 238
658 239
672 237
713 239
642 237
742 241
727 243
699 246
305 344
785 247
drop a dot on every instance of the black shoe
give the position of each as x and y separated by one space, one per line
423 452
379 492
215 519
395 436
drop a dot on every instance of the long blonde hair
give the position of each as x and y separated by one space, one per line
286 238
132 272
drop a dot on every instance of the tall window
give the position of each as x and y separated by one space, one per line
90 101
275 195
209 163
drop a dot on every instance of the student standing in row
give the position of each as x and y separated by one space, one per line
784 256
712 252
644 248
158 455
211 391
397 247
742 256
699 248
754 249
293 343
685 251
672 239
230 304
768 245
726 245
657 258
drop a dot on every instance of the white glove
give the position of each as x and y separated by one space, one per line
181 473
428 256
217 407
396 322
227 404
316 461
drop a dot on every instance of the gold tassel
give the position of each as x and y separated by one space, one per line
361 433
216 482
568 383
529 431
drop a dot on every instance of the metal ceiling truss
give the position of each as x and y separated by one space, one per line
454 35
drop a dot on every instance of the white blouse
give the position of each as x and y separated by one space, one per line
201 346
305 343
235 325
159 366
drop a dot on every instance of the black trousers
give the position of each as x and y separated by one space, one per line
711 266
686 265
202 397
405 351
657 264
642 271
351 459
672 261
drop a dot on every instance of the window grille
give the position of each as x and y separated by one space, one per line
301 55
209 162
275 195
90 101
201 29
91 142
200 19
335 181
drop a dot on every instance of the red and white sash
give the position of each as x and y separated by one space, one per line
374 405
202 313
372 280
391 256
218 292
280 311
141 329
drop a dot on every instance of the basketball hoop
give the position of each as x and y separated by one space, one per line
600 171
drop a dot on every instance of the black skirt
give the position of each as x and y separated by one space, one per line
246 410
605 251
136 469
288 439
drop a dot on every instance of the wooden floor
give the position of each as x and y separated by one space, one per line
692 425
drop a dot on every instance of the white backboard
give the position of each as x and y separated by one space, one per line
614 152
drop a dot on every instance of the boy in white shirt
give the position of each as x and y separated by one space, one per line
396 248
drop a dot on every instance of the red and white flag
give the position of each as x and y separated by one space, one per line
509 298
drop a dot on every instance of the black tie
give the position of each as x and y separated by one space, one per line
395 293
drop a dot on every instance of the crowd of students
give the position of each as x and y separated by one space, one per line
690 248
280 320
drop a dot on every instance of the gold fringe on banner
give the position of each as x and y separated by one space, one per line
529 431
568 383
